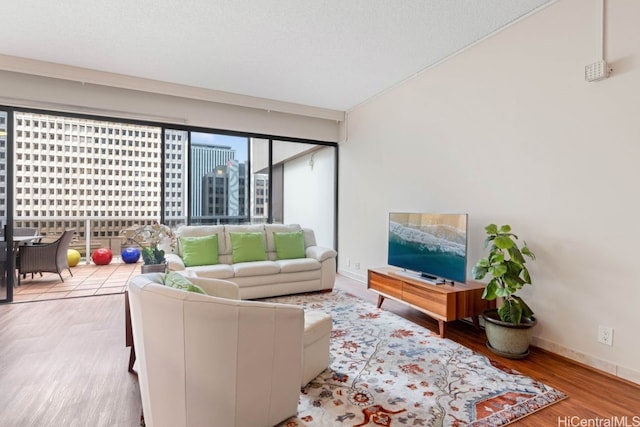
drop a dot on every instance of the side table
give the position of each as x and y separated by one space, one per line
128 333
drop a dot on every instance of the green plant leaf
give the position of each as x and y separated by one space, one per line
504 242
513 282
502 292
526 310
498 270
152 255
484 262
510 311
488 240
504 229
479 271
514 254
489 292
491 229
497 257
526 251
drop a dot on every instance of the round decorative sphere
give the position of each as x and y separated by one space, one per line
73 257
102 256
130 255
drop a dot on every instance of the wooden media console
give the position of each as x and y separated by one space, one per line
444 303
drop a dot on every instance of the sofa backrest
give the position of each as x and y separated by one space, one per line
225 248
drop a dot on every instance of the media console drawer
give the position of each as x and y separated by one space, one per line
434 302
385 284
444 303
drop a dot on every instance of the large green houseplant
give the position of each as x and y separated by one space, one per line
506 264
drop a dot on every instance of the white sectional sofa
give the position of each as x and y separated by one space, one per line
313 269
215 360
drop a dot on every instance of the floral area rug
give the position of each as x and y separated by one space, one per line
387 371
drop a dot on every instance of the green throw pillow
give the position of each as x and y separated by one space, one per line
199 250
247 247
289 245
178 281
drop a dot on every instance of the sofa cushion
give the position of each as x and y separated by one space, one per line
248 247
202 250
256 268
217 271
269 229
202 230
289 245
178 281
316 325
238 228
298 264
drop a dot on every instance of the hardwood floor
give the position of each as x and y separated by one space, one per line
64 363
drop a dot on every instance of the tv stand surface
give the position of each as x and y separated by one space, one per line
443 302
433 280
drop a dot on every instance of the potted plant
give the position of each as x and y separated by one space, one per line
508 327
148 238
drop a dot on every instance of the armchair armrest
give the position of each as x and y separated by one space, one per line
174 262
320 253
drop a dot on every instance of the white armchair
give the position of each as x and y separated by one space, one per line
208 360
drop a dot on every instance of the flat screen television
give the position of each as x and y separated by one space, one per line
434 246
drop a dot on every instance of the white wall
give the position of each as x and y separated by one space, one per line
510 132
309 196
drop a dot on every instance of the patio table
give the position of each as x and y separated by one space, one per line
17 242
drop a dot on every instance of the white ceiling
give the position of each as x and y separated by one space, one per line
333 54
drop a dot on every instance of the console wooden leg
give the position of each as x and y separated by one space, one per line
476 322
441 328
380 299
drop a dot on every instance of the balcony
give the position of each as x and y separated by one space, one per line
87 280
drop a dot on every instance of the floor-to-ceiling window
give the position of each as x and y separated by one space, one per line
219 186
100 175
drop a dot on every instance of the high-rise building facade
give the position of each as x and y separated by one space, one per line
260 195
78 168
175 176
224 192
204 160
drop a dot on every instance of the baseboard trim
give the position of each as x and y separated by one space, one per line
351 275
609 368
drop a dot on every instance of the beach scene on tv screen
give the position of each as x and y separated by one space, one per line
434 244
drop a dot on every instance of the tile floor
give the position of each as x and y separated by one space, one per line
87 280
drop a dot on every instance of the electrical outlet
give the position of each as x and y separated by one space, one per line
357 265
605 335
348 262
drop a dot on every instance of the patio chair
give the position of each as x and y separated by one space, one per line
45 257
